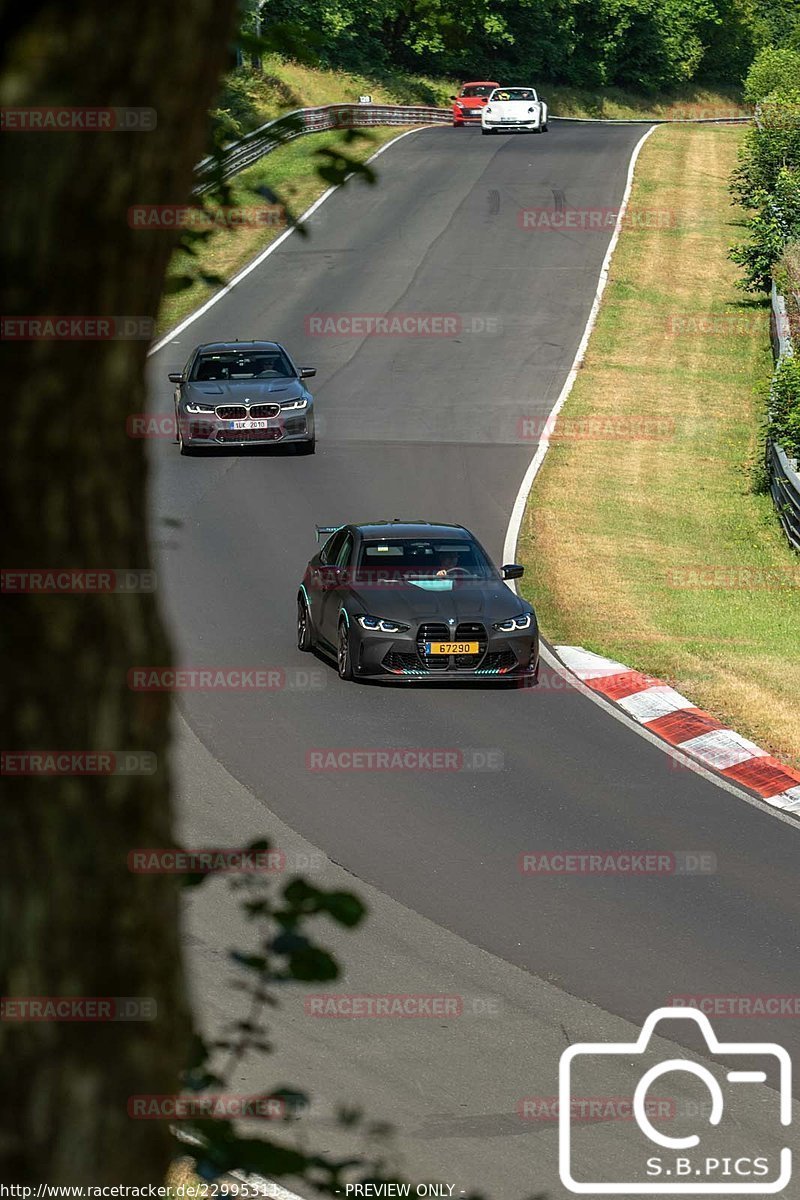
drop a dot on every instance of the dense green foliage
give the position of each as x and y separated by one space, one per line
767 180
642 44
775 67
784 406
775 221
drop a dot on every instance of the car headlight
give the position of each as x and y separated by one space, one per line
195 408
523 621
378 623
301 403
458 104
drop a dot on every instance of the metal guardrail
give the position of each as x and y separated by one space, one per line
238 155
248 150
784 481
784 486
780 326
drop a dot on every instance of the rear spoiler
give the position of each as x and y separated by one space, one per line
324 530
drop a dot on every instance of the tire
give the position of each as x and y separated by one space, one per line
343 662
485 132
305 637
303 448
184 449
545 128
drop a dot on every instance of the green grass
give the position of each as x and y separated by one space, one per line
691 101
291 172
250 99
612 525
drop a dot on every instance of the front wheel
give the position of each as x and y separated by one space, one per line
343 664
485 131
305 640
184 449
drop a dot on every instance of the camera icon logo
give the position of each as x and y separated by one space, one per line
679 1165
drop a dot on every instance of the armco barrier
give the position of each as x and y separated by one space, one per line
253 146
784 485
784 481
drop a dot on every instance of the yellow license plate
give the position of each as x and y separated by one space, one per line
452 648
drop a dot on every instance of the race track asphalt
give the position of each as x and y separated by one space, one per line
429 427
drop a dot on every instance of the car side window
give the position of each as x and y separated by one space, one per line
343 557
330 550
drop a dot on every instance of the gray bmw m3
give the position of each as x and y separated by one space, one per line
243 394
415 602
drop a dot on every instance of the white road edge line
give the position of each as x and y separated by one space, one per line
518 512
273 246
267 1186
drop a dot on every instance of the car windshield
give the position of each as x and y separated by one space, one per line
426 558
242 364
514 94
477 89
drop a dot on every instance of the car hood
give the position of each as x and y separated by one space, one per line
513 108
256 391
439 600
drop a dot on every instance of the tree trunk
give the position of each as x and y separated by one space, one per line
73 920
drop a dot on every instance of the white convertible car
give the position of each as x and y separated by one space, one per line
514 108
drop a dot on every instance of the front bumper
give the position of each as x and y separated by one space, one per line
502 656
511 126
467 116
200 430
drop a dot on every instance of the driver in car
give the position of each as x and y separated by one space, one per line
447 561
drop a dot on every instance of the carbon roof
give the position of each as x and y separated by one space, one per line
411 529
252 345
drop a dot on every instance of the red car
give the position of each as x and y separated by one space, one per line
467 105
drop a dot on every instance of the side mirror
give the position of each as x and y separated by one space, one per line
512 571
307 372
174 377
454 97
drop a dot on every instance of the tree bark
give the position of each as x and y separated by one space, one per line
73 920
